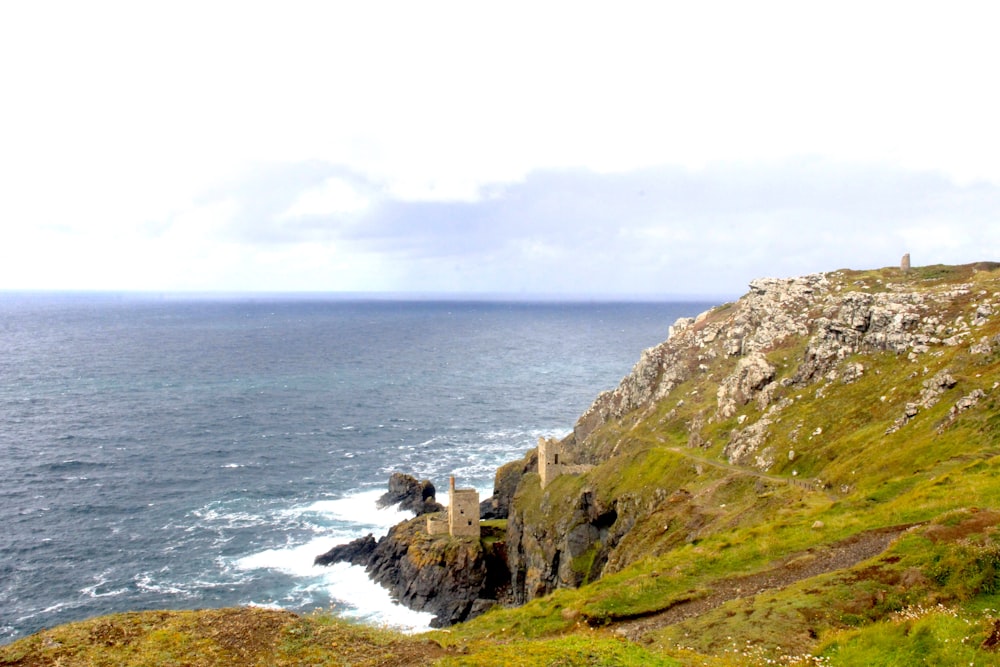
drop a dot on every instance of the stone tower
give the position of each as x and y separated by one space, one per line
463 511
905 263
549 465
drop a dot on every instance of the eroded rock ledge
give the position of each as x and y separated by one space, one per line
454 578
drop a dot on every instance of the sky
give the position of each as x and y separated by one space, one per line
518 148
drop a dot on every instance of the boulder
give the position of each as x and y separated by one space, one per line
752 374
410 494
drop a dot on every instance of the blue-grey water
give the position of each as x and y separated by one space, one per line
172 453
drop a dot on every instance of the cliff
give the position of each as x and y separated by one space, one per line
753 397
806 390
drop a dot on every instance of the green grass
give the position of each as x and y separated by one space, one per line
210 638
936 636
580 649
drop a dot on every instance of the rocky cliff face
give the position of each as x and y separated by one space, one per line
745 363
454 578
840 318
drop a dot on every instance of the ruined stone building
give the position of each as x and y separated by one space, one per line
549 466
437 524
463 511
552 461
463 514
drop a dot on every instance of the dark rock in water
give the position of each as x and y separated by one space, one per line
357 552
488 510
410 494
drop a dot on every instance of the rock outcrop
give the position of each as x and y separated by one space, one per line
453 578
410 494
757 356
357 552
449 577
505 482
544 556
753 373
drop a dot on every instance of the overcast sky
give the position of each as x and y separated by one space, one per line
533 148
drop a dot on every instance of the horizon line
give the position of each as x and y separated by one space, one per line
374 295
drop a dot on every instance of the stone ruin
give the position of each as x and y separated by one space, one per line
463 514
552 461
904 264
437 524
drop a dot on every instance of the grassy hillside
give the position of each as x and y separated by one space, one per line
842 511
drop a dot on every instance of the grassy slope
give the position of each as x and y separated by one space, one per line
933 593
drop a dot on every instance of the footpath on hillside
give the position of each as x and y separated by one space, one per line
794 568
801 483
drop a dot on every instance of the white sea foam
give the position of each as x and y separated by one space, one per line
359 509
366 600
51 609
294 560
145 581
95 591
348 587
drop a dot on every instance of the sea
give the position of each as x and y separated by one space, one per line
183 452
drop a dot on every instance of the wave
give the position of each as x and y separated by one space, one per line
145 581
95 590
358 509
345 588
51 609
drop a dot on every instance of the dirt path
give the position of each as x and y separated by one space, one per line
801 483
789 570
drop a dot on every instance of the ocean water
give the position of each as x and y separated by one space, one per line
161 453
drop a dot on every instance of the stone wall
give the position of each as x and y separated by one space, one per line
437 524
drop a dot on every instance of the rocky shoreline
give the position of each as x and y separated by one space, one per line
454 578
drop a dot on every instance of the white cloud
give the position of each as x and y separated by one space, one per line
331 197
119 117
